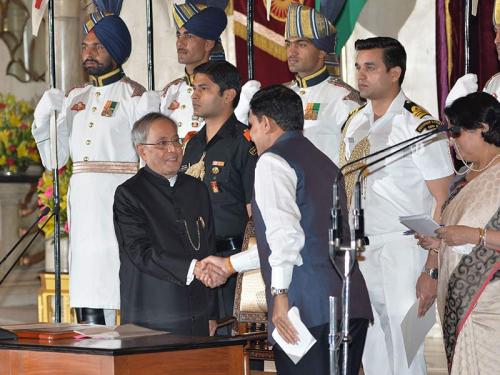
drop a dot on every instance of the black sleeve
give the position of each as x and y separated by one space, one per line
134 242
247 160
213 309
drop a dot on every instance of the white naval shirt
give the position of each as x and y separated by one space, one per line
327 102
493 86
275 190
397 186
95 125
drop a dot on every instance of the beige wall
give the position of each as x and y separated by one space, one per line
412 22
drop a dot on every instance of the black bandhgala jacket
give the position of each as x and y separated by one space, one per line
159 229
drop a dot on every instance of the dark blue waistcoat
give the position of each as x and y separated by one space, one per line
316 279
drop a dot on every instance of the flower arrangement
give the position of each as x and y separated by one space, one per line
45 192
17 146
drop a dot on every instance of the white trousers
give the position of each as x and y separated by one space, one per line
392 264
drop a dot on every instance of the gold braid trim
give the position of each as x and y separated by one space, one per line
361 149
197 170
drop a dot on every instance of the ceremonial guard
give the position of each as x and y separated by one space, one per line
468 83
327 100
198 41
93 129
222 155
397 271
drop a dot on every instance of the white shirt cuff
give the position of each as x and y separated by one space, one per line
190 275
246 260
281 276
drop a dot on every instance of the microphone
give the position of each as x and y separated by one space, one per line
358 213
44 212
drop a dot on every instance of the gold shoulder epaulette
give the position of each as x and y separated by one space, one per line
415 109
138 88
351 116
174 82
76 87
353 93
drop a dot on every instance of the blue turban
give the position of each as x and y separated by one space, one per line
207 23
112 33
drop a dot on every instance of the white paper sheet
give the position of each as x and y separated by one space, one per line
306 340
423 224
415 329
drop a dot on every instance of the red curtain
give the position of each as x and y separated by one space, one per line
270 65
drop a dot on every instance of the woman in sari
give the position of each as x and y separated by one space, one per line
468 244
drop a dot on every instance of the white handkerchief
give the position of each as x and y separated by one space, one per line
306 340
463 249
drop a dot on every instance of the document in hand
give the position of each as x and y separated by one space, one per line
306 340
415 329
423 224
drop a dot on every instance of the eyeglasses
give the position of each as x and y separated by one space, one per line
184 35
177 143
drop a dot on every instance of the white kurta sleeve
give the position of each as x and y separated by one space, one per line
275 193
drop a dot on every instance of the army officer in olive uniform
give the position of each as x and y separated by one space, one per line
222 155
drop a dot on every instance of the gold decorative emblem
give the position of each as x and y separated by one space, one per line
279 8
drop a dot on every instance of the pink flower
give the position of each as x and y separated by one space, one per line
3 105
23 126
49 192
66 227
10 162
12 148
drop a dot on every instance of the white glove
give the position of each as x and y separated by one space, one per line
247 92
52 100
465 85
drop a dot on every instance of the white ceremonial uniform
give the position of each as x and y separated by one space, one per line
327 102
95 126
176 103
493 86
393 262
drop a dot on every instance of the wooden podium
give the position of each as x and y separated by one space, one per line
153 355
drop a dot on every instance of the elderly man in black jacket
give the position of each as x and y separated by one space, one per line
164 225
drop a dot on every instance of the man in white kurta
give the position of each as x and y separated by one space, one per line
94 129
326 99
396 270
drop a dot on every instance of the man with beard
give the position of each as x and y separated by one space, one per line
223 157
94 124
468 83
327 100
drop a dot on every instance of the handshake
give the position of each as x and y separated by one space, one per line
213 271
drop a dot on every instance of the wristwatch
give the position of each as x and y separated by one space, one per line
432 272
277 292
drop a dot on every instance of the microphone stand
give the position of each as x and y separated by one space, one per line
9 253
343 338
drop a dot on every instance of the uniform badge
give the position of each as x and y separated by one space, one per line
214 187
218 163
215 170
252 151
109 108
80 106
195 121
428 125
174 105
246 134
311 111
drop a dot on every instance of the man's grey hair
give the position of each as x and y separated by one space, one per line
141 127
